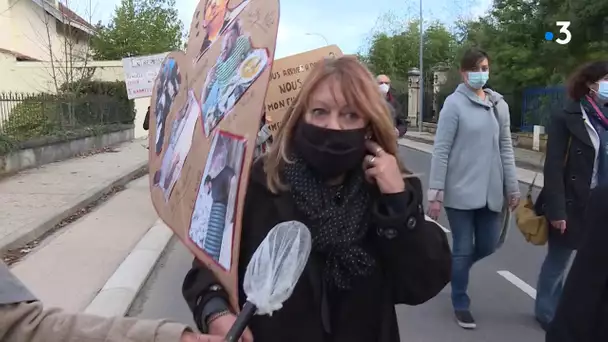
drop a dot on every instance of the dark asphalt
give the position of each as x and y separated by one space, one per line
503 311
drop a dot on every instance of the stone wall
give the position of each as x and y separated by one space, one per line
36 154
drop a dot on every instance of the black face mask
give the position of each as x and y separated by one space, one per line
329 152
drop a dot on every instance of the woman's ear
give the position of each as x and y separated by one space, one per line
369 134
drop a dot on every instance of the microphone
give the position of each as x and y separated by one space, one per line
273 272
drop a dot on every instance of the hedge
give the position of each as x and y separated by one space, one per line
91 104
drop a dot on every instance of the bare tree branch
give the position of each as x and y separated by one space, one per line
68 47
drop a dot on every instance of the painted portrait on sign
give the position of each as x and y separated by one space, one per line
169 85
180 142
237 67
212 223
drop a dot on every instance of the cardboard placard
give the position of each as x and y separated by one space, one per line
286 80
206 108
140 74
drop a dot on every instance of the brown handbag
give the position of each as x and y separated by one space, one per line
534 228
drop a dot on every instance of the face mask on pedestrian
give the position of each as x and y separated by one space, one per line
602 91
330 152
477 79
384 88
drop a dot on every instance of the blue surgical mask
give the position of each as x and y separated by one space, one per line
602 91
477 79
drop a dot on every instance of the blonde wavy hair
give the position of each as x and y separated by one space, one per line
360 90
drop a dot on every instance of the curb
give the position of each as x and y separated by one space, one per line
119 292
41 228
518 163
402 142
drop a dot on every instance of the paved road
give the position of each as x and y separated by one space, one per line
501 289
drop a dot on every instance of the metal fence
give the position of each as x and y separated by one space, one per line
24 116
538 104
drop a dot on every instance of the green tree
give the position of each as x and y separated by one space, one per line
139 27
394 53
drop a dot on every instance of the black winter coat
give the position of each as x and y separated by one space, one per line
414 265
399 116
568 170
146 124
582 314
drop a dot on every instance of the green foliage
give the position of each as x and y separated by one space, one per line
394 54
453 79
96 104
139 27
512 33
101 101
33 116
7 144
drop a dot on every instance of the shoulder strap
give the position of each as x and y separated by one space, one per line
495 111
542 162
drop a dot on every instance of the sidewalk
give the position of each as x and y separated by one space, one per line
70 268
35 201
525 159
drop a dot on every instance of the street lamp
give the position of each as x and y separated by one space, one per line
421 106
318 35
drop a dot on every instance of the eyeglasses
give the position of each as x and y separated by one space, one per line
389 83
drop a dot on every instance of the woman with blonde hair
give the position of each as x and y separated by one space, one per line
334 166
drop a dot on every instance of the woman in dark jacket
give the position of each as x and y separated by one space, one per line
582 314
575 164
334 167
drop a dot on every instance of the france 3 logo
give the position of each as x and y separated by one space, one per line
564 34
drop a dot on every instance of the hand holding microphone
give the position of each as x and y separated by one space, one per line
271 276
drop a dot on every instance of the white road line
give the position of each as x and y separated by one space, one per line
431 220
522 285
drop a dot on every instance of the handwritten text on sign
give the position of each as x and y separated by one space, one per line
288 75
140 74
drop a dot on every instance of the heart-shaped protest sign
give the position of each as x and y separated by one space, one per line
206 108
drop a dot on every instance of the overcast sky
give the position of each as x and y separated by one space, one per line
304 25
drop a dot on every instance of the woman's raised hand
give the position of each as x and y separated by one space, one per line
381 168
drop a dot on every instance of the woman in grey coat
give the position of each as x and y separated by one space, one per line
472 171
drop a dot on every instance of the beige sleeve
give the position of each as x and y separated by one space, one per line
29 322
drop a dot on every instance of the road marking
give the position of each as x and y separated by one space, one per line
522 285
437 223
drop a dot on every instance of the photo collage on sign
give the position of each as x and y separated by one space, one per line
215 19
237 67
170 81
213 218
180 142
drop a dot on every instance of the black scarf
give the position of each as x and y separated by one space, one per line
339 221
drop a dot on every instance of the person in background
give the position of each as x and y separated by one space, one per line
147 120
24 319
264 138
472 171
575 163
334 166
582 313
384 84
